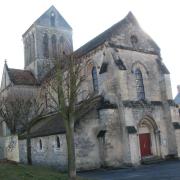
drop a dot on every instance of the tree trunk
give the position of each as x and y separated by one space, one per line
71 151
28 141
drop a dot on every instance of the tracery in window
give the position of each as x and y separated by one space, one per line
139 85
61 45
45 46
95 79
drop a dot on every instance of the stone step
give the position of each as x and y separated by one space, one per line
151 160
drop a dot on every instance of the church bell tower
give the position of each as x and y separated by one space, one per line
43 41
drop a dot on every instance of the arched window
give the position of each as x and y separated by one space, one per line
95 79
26 52
30 50
45 46
52 19
58 144
33 47
54 46
61 45
139 85
40 144
61 40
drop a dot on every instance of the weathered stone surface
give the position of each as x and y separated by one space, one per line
9 148
102 137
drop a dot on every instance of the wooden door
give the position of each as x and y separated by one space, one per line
145 144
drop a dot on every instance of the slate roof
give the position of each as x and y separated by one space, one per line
53 124
149 45
49 125
22 77
97 41
162 67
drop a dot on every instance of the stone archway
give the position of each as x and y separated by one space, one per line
149 138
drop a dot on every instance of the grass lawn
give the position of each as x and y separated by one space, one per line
25 172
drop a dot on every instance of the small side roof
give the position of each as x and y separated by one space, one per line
52 124
22 77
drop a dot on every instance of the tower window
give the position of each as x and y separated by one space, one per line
139 85
95 79
61 45
54 46
61 39
52 19
40 144
33 47
58 144
45 46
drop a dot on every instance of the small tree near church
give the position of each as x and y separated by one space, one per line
20 111
63 89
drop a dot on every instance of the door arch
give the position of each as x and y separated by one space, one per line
149 137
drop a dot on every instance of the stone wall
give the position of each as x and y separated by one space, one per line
164 131
49 155
9 148
88 152
33 39
87 149
2 149
22 151
102 137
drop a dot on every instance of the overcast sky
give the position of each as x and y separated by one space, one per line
88 18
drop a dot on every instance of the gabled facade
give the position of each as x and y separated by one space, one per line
135 118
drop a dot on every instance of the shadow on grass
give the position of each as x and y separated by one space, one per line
9 171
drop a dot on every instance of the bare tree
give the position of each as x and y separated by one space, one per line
20 112
64 89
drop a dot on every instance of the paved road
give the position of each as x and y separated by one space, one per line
169 170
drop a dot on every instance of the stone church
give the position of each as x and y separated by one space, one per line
136 118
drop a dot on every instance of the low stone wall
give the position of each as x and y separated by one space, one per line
2 152
9 148
44 151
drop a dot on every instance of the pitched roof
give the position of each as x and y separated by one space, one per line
49 125
124 28
162 67
22 77
43 20
53 124
97 41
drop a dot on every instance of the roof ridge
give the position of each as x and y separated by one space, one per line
106 34
19 69
118 28
35 22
